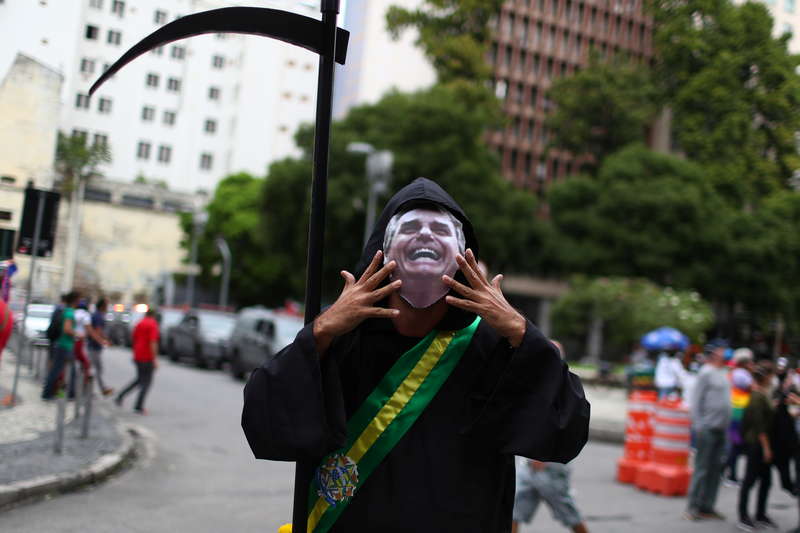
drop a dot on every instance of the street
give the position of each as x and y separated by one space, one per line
197 474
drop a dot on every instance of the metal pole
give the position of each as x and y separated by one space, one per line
371 199
58 445
87 408
77 371
304 469
34 253
193 261
225 252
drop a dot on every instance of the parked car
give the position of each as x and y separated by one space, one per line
203 336
167 317
38 320
118 329
258 335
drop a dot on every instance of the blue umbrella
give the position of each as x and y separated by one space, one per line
665 338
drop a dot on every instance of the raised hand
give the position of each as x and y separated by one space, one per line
486 300
356 303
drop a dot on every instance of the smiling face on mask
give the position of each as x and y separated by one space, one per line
424 243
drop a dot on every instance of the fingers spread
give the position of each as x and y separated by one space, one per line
470 257
459 287
349 279
467 305
469 273
380 275
383 292
496 281
373 266
381 312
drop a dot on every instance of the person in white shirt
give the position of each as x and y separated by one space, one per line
669 374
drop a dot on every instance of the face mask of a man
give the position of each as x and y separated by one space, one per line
424 243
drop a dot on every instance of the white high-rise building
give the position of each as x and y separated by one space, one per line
189 113
375 62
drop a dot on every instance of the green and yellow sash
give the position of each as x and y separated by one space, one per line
378 425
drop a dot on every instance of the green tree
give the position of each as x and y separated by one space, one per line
734 92
454 35
432 133
234 214
645 215
77 160
600 109
629 308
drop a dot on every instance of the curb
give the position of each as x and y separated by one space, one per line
98 471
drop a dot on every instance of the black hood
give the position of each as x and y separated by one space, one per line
420 192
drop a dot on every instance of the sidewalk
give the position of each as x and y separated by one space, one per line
28 466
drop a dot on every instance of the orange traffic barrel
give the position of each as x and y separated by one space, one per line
667 471
638 435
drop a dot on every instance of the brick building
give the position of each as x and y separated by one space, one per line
538 41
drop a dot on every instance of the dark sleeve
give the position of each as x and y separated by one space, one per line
534 407
293 407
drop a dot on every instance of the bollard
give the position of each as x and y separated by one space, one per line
87 408
638 435
60 414
78 390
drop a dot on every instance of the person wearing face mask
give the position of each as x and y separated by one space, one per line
414 391
757 427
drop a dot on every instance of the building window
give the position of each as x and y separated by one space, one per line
152 80
160 17
104 105
148 113
106 66
178 52
87 66
169 118
114 37
174 85
143 150
92 32
80 134
787 28
164 153
218 62
137 201
206 161
82 101
158 51
118 7
100 139
210 126
97 4
213 93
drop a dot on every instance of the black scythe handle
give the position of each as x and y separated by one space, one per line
304 469
282 25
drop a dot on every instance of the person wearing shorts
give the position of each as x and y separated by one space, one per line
537 481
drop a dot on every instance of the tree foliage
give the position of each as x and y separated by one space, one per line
601 109
454 35
77 160
734 92
629 308
432 133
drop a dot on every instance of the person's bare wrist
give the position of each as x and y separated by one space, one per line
322 338
517 330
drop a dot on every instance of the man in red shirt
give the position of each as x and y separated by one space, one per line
145 349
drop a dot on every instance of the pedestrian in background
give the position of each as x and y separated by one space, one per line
710 413
63 350
145 349
537 481
83 323
669 374
757 426
741 381
784 435
97 341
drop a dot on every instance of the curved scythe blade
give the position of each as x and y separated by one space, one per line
282 25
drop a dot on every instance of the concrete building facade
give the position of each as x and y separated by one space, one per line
188 113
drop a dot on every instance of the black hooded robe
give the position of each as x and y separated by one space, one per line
453 471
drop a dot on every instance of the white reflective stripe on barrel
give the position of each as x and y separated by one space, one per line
671 430
668 444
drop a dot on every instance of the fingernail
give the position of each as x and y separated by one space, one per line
395 312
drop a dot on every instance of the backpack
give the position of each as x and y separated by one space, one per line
56 325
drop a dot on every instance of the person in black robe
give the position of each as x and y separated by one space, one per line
510 394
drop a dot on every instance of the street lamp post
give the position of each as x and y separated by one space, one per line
379 171
225 252
199 219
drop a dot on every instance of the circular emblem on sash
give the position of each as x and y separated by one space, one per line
337 478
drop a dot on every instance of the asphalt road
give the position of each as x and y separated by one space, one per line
197 474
